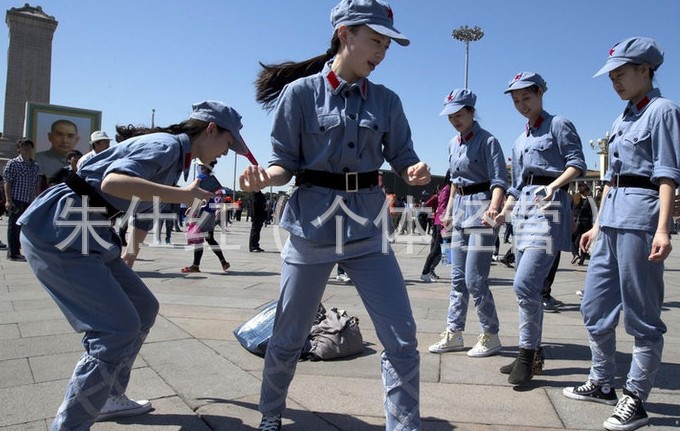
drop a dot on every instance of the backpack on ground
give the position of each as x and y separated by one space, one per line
334 334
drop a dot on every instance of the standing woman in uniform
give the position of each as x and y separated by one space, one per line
631 238
479 179
333 129
545 158
96 289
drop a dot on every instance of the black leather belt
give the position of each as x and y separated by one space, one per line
632 181
78 184
348 181
472 189
542 180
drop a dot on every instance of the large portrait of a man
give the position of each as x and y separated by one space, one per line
58 130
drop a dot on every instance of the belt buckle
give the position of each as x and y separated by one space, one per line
618 178
349 175
460 190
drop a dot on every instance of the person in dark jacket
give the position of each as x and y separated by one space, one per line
258 211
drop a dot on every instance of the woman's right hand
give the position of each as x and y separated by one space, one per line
588 238
196 193
254 178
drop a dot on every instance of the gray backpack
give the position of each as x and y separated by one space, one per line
334 335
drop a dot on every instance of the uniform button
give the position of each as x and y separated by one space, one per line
616 154
375 127
526 150
351 145
322 128
352 117
458 169
635 139
620 133
345 169
346 93
609 196
526 217
528 193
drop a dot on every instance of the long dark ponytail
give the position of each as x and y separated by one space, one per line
273 77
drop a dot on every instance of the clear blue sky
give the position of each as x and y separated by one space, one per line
128 57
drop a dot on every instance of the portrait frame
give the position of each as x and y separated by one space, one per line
40 116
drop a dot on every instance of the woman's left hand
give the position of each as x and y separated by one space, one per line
661 247
418 174
489 217
544 196
129 258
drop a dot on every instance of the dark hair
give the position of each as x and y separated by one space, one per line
63 121
191 127
73 153
273 77
447 176
24 141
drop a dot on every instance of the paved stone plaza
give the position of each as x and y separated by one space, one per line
199 377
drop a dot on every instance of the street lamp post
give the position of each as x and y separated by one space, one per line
467 35
603 153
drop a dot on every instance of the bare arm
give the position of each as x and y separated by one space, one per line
8 196
256 178
127 187
661 244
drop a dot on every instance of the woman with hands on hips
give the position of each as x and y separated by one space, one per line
333 129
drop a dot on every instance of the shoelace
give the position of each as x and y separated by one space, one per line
270 423
586 387
625 408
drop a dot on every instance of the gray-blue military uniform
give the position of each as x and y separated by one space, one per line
643 148
322 125
96 290
540 154
477 166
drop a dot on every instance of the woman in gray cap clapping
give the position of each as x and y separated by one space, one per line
333 129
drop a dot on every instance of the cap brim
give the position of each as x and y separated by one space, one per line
610 65
392 33
519 85
239 145
451 108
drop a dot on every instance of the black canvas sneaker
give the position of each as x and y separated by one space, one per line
589 391
629 414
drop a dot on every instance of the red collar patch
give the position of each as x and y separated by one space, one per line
642 103
536 125
333 80
187 161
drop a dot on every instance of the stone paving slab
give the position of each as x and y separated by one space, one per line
199 378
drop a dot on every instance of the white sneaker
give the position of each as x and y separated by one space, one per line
344 278
427 278
452 341
487 345
121 406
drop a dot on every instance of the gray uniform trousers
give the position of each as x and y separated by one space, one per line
533 265
621 279
471 252
102 297
381 287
